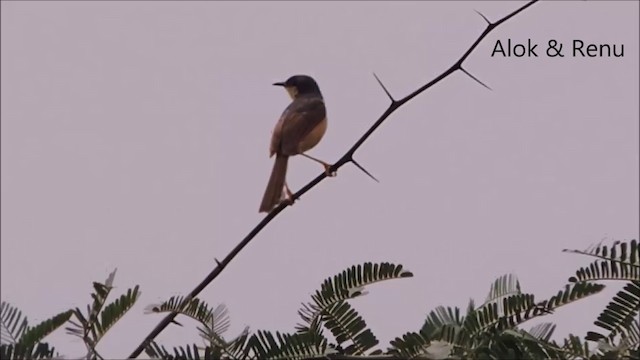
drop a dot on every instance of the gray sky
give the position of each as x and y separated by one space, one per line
135 135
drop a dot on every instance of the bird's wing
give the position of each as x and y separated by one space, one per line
296 122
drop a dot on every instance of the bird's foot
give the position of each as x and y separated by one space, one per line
288 196
327 170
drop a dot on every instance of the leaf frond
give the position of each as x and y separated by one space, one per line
34 335
115 311
214 319
410 345
12 323
621 252
347 285
18 351
620 313
506 285
265 345
346 324
543 331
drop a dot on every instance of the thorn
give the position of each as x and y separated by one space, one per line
363 170
484 17
175 322
217 262
474 78
384 88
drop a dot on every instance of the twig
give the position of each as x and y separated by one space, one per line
346 158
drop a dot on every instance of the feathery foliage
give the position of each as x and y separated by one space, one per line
619 262
489 331
21 341
99 318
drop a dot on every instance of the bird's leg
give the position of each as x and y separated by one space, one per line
288 195
327 167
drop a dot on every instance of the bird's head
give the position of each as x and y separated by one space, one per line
300 85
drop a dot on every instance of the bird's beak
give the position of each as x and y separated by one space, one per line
278 84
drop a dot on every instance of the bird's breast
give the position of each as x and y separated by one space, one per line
314 137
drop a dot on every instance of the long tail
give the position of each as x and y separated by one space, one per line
273 193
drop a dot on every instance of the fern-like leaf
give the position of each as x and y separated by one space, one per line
115 311
571 293
440 332
34 335
574 348
543 331
156 351
619 251
521 311
13 325
619 313
346 324
217 319
190 352
346 285
238 348
500 315
187 352
506 285
18 351
264 345
446 324
83 327
100 318
21 341
412 344
621 261
440 317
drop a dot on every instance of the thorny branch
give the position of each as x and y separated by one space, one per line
346 158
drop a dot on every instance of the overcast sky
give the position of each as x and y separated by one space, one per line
135 136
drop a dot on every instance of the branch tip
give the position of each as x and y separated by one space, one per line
484 17
474 78
363 169
384 88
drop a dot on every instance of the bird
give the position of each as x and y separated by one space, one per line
300 127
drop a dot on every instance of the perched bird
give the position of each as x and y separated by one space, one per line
300 128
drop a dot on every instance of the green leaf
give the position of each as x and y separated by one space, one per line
100 318
213 319
621 261
571 293
238 347
156 351
440 317
620 313
497 316
264 345
412 344
34 335
506 285
115 311
543 331
18 351
12 323
347 325
347 285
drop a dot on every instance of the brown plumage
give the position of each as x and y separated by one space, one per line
300 127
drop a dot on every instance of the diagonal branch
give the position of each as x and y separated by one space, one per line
346 158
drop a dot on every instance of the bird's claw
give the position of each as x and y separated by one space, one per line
327 170
288 196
